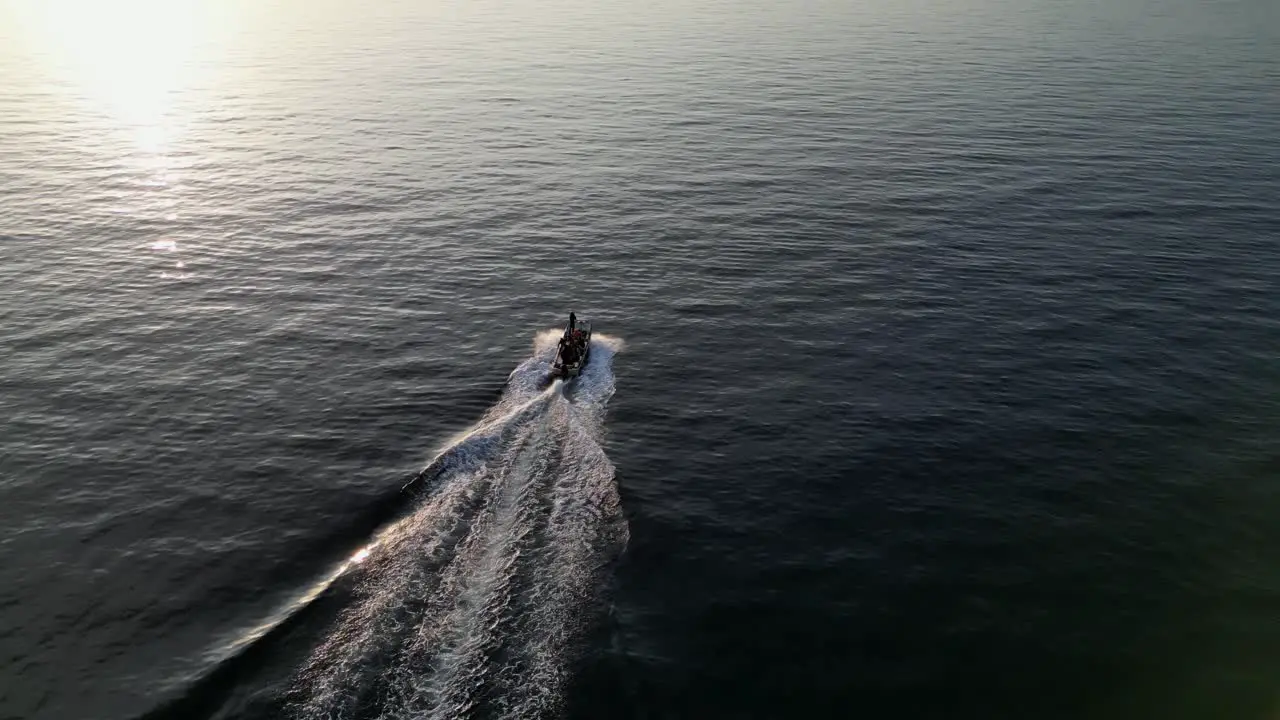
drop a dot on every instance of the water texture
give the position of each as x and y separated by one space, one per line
949 388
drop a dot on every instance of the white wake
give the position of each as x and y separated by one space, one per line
472 605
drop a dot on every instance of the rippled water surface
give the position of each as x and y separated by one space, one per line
937 377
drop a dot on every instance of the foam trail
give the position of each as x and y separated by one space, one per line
472 605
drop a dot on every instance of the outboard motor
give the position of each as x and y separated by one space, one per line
573 321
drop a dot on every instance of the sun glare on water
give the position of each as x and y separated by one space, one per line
124 78
128 58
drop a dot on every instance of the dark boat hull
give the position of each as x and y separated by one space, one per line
565 370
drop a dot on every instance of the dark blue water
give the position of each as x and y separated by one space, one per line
937 375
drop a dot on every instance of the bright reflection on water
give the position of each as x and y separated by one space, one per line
128 57
127 67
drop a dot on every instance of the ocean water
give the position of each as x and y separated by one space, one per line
936 373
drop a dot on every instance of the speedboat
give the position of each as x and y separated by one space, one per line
574 349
